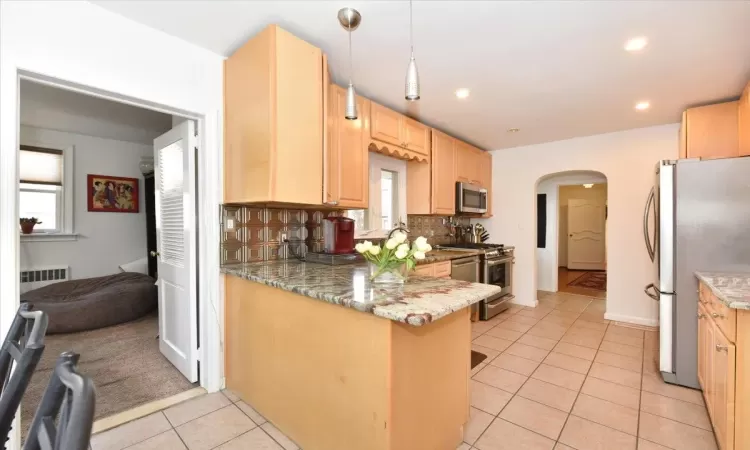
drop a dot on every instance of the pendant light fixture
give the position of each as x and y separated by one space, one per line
412 76
350 18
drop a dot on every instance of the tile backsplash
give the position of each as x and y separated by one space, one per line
255 233
434 228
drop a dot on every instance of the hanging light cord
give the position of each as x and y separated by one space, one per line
351 65
411 30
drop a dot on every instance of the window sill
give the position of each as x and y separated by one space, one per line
49 237
371 235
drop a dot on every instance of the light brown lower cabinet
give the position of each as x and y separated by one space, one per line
440 269
724 369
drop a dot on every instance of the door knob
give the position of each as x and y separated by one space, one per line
154 253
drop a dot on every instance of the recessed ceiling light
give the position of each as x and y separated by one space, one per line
636 44
642 106
462 93
513 130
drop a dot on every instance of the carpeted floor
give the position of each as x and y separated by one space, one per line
124 361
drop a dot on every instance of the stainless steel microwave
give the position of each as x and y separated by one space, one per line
470 198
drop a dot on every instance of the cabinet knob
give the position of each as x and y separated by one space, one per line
154 254
722 348
715 315
701 316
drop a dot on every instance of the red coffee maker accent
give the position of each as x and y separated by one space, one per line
338 235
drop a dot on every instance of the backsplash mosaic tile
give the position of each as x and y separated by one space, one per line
251 233
434 228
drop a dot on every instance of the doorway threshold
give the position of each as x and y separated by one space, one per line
144 410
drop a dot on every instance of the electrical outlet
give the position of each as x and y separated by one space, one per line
283 237
230 224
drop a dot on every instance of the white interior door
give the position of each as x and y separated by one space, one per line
586 244
174 167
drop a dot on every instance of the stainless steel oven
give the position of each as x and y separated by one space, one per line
499 271
495 267
470 198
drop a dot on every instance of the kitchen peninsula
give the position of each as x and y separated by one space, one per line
336 362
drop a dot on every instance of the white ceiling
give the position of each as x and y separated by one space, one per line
49 107
555 70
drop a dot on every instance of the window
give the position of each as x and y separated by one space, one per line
43 202
42 174
387 198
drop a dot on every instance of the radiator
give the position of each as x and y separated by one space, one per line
42 276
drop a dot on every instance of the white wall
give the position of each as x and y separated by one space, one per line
627 159
59 109
106 239
547 258
83 44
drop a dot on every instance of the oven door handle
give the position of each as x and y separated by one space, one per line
499 261
495 302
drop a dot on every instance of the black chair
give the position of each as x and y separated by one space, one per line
23 346
70 399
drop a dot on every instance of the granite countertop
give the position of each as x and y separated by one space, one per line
436 256
731 288
419 301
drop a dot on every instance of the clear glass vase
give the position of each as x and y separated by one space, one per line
388 275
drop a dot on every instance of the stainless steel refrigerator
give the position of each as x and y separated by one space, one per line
697 218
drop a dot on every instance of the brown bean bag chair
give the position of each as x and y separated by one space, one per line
92 303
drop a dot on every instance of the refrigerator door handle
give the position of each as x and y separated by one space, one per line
648 292
646 236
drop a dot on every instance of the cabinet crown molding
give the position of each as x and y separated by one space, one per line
396 152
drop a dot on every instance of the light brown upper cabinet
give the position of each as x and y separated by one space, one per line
485 178
443 174
468 161
431 189
743 119
346 160
386 125
710 131
273 120
416 136
399 131
431 186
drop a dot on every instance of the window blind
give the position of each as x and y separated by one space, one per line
41 165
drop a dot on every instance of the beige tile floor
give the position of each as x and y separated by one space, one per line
561 377
213 421
557 376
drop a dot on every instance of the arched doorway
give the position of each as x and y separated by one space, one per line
571 260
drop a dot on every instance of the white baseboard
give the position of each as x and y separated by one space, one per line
632 319
534 304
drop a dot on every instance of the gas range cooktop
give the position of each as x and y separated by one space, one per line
474 246
489 250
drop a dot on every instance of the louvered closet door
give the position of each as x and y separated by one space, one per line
174 161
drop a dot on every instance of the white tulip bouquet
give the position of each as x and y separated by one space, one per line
395 259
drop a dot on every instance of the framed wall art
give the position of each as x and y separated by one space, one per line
112 194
